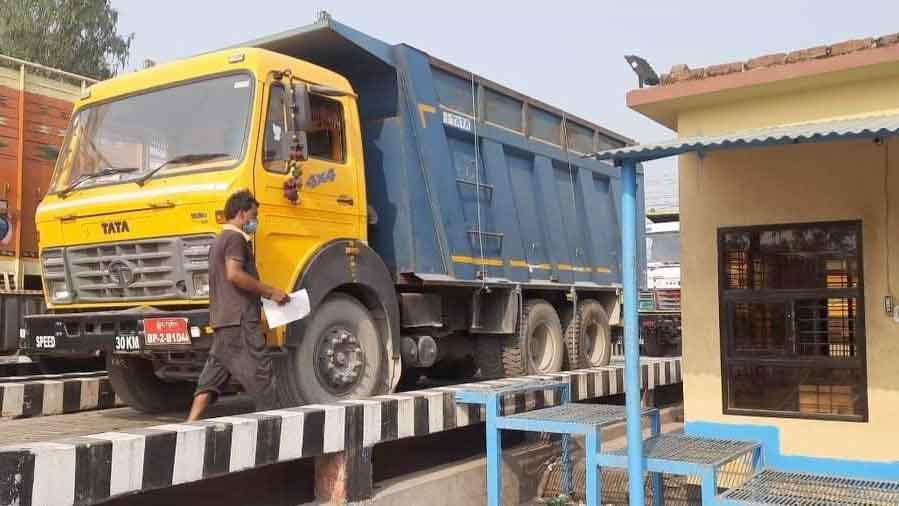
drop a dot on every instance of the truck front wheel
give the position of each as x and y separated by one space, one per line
340 356
136 384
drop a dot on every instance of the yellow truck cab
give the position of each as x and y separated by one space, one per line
135 226
374 197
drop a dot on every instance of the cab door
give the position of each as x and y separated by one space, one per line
329 207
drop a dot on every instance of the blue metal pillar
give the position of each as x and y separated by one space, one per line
494 454
631 343
591 469
565 393
658 485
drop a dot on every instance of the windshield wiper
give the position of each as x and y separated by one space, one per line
191 158
87 177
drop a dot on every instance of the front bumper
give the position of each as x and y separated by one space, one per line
92 333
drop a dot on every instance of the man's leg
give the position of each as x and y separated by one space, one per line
213 377
255 370
198 406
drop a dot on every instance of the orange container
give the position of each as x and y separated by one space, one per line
35 108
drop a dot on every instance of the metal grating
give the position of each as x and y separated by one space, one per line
518 386
692 450
588 414
800 489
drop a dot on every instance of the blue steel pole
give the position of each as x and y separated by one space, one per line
631 343
494 454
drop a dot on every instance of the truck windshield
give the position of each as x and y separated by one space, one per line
201 125
663 247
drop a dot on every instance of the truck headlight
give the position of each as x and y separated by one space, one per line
59 291
201 284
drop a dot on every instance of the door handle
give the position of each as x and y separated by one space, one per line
345 200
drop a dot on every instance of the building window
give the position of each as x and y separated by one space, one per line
792 321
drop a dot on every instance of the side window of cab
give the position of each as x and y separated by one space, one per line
276 143
326 137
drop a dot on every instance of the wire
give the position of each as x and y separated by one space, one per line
886 198
571 181
477 179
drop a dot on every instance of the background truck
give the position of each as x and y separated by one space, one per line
440 222
35 106
660 308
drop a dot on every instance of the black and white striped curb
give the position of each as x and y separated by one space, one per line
89 469
55 394
45 377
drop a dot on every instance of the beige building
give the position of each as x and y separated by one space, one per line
789 201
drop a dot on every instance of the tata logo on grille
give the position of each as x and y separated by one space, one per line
120 273
115 227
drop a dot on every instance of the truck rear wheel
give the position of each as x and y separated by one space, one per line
340 356
588 338
135 383
537 349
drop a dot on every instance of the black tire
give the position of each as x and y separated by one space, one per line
570 324
653 345
340 324
538 348
410 379
451 369
588 337
135 383
489 356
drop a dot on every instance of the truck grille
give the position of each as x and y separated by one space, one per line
152 269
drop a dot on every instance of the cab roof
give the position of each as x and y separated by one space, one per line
254 60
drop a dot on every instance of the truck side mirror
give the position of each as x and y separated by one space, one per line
299 119
300 107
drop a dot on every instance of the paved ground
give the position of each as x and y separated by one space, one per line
27 430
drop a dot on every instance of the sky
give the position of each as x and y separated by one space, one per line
568 54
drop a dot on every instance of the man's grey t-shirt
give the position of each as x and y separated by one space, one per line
228 304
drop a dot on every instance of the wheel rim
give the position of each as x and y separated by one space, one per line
339 360
594 341
541 347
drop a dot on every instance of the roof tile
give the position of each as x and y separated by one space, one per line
681 72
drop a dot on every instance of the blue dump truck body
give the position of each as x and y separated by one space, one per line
467 179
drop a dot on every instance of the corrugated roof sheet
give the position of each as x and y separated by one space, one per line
863 127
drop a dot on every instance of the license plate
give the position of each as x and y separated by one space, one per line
128 342
165 331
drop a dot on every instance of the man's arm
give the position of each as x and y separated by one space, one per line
235 274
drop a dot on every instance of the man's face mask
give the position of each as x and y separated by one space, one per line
251 226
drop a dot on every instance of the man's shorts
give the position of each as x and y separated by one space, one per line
239 352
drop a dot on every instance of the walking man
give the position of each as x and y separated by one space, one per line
235 311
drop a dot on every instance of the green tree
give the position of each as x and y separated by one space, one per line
78 36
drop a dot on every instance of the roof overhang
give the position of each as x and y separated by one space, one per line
865 127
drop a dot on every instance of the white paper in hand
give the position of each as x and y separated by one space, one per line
296 309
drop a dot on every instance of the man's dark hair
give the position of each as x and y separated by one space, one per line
239 201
